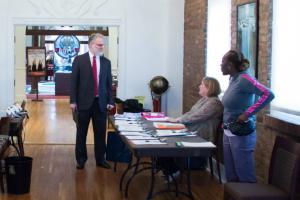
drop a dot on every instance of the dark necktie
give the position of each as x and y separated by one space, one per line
95 76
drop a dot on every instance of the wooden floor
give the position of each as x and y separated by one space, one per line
51 122
55 177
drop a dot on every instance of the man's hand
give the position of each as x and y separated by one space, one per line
110 107
73 106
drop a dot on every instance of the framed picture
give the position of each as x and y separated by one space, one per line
36 59
247 37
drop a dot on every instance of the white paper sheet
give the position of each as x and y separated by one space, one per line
133 133
139 137
130 128
170 133
198 144
147 142
124 122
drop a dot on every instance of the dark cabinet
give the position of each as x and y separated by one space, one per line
62 84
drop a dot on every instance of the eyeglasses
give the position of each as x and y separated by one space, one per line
99 45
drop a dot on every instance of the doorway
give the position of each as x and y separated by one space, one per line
51 120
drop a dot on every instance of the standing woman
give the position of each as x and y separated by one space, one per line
240 105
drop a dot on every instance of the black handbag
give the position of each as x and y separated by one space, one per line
240 128
116 150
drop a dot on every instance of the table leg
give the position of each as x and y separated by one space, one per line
15 146
124 174
189 179
20 144
150 194
133 174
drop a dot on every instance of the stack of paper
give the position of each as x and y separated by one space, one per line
125 122
155 116
128 116
168 126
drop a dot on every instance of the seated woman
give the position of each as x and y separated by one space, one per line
204 117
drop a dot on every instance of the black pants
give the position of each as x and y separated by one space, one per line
99 127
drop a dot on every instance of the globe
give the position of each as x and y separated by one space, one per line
159 85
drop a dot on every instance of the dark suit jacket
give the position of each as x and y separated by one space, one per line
82 83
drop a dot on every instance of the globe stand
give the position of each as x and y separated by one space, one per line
156 100
158 86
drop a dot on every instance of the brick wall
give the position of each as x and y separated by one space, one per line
195 64
194 50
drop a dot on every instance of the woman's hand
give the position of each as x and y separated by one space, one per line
170 119
242 118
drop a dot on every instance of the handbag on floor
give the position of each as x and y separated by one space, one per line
117 150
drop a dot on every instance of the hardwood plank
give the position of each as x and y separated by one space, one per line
51 122
54 176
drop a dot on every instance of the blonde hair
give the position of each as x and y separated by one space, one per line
212 85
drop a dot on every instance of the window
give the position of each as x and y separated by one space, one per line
218 38
285 56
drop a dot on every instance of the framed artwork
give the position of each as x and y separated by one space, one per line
36 59
247 37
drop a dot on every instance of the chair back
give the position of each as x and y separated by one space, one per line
4 125
218 139
284 166
23 105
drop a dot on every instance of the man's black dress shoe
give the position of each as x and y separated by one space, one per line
79 166
103 164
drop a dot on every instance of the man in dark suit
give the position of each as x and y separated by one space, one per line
91 97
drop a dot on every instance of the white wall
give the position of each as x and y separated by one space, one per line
113 48
20 68
147 30
174 70
5 67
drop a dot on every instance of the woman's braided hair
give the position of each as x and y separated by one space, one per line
238 60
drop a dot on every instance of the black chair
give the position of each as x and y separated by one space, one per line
217 140
283 176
